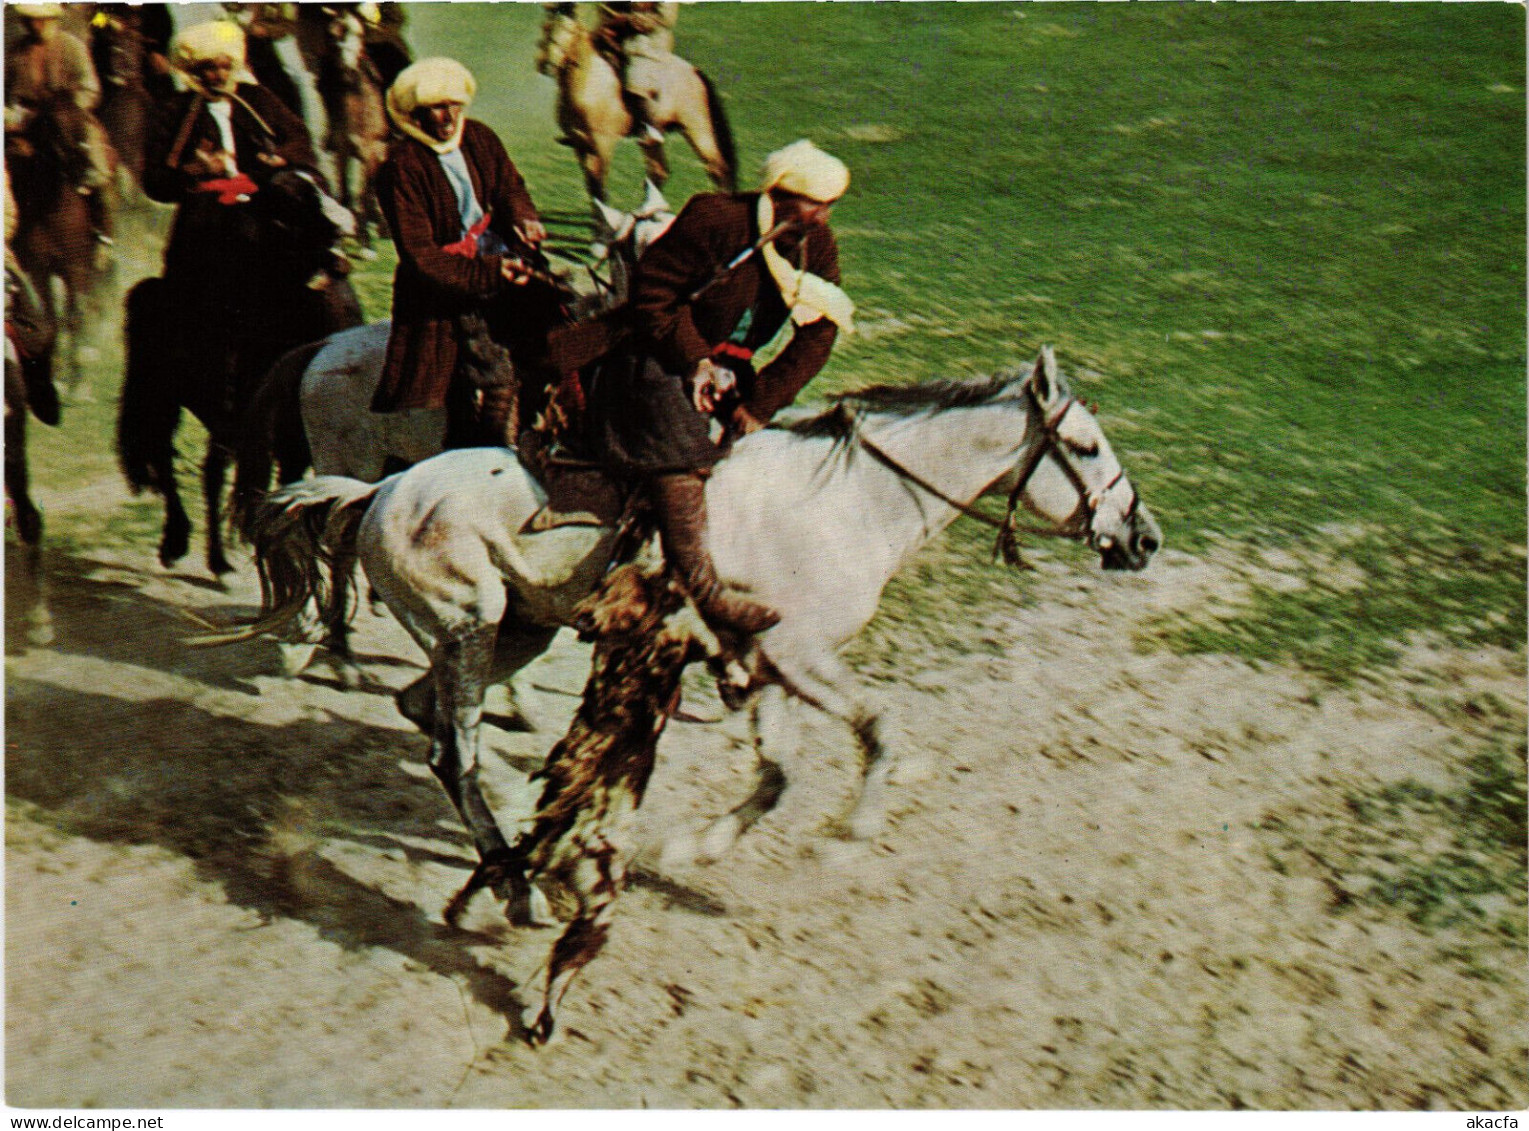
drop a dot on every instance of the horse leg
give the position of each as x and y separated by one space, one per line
773 716
652 146
74 324
28 526
596 161
828 685
176 540
461 666
515 647
716 165
214 470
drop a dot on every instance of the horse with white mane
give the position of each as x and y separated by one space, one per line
815 518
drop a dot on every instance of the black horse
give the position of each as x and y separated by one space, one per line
204 344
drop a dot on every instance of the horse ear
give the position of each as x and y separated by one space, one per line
610 216
653 202
1044 379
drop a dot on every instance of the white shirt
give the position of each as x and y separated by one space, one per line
222 113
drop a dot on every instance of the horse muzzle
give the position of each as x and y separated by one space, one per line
1134 545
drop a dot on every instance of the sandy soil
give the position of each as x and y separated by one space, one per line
223 888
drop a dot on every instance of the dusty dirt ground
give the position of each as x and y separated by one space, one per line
223 888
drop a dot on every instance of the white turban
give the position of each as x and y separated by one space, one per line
203 43
806 170
38 11
430 82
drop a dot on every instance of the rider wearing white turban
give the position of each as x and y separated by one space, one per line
431 82
709 294
207 43
804 170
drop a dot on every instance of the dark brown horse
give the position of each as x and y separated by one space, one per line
55 236
203 345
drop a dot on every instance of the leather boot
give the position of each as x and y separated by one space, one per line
680 500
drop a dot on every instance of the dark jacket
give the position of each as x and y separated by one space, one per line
678 332
431 289
640 415
197 253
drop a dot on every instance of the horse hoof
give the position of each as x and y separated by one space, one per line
40 632
295 658
346 671
539 1026
719 837
172 550
867 823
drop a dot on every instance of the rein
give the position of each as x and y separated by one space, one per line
1006 546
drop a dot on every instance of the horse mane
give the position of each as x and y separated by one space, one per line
838 420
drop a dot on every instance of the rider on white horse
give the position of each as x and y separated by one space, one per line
464 224
720 284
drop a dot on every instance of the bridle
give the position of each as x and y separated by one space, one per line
1077 526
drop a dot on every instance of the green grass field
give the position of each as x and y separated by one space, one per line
1283 245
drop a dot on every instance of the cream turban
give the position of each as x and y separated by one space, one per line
430 82
806 170
202 43
38 11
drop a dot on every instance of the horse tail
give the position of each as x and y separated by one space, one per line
148 413
298 532
722 130
272 433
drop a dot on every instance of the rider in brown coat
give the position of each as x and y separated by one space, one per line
456 206
720 284
213 146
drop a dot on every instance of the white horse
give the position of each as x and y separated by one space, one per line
337 377
814 518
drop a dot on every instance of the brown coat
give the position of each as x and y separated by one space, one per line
677 332
431 289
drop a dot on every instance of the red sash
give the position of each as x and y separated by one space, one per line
230 190
467 246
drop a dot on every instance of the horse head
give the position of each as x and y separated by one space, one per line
1073 478
299 224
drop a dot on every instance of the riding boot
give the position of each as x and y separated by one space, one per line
680 500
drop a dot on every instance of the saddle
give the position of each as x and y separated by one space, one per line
580 492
